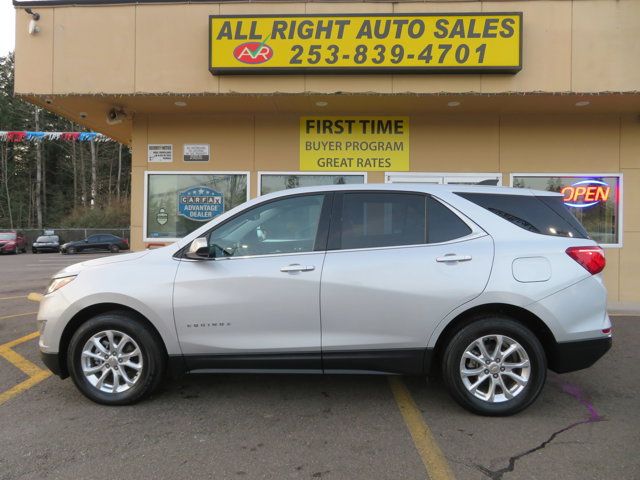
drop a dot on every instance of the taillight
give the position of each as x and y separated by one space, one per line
591 258
126 242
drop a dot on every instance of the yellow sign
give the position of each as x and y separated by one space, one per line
477 42
354 143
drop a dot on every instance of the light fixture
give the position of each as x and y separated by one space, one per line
180 103
322 103
115 116
582 103
33 27
83 114
453 104
48 100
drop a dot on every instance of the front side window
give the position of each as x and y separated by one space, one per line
274 182
382 220
593 199
289 225
178 203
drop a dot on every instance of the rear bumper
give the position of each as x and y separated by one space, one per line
572 356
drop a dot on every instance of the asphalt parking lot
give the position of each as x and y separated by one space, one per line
585 425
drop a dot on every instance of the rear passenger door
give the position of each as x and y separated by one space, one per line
397 263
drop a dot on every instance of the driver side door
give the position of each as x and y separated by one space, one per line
255 302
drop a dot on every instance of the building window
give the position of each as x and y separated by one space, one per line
594 199
179 202
276 181
444 178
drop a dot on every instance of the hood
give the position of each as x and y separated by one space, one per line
97 262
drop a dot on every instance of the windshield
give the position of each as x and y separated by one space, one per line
7 236
48 238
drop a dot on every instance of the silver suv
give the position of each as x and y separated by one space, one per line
491 286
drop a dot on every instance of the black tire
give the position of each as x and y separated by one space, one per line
114 248
494 325
152 354
34 251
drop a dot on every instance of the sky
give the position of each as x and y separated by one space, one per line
7 27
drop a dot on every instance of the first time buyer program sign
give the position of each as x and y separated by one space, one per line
371 43
354 143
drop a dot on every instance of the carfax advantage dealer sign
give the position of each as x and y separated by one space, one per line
461 42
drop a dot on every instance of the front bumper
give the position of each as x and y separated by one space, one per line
52 362
571 356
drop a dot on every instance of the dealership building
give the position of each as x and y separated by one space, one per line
225 101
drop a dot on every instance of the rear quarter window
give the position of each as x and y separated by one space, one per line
546 215
443 224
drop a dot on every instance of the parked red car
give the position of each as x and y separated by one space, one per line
12 242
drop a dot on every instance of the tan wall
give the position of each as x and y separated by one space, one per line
454 143
578 46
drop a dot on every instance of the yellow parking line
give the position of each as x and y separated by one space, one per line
23 386
13 298
18 315
36 374
18 341
35 297
429 451
20 362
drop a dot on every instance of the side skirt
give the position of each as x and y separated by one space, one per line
396 361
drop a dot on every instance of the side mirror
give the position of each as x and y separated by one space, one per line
199 249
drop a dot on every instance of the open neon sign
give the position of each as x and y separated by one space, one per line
586 193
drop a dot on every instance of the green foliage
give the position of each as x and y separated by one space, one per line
111 216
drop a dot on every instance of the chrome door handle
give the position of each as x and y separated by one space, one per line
452 257
297 268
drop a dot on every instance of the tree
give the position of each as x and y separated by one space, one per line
48 183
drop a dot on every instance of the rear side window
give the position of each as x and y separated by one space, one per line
382 220
444 225
545 215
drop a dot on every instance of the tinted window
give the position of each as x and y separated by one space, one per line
544 215
284 226
444 225
94 238
382 220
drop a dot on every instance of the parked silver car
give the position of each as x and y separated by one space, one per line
490 286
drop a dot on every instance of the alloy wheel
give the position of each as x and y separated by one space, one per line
495 368
111 361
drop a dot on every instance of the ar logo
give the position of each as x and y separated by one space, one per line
253 53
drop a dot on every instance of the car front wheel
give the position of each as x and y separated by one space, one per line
115 360
494 366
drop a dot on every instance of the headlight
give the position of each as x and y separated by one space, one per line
58 283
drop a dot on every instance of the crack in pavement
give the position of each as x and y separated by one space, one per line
569 389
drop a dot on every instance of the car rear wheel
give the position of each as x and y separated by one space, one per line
114 248
494 366
115 360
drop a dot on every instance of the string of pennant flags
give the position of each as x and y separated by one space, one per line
18 137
